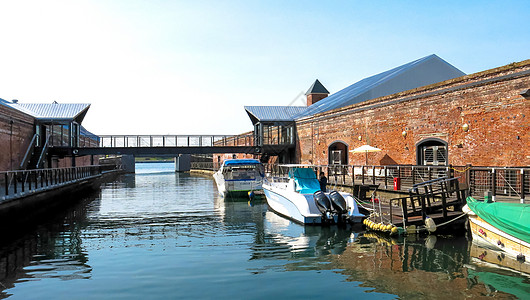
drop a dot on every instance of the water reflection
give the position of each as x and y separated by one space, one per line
174 228
50 250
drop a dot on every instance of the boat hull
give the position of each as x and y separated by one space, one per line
285 207
302 209
236 188
487 235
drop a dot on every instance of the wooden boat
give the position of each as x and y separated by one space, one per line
501 226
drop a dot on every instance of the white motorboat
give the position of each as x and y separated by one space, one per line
299 198
238 177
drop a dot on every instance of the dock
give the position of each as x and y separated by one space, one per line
440 199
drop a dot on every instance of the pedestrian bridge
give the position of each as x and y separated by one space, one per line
169 145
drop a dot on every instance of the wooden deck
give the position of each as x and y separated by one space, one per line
440 199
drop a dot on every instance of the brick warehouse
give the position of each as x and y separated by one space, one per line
482 119
479 119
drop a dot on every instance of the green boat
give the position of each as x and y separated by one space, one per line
501 226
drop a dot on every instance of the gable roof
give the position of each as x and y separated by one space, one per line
273 113
317 88
421 72
54 111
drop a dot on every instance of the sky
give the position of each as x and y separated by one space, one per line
190 67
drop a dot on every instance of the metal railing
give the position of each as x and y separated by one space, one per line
502 182
29 152
175 140
18 183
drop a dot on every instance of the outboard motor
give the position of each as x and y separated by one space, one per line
338 203
323 204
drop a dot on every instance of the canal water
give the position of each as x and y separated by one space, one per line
164 235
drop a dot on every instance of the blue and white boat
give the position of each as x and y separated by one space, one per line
299 198
237 177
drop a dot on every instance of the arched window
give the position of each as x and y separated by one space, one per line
338 153
432 152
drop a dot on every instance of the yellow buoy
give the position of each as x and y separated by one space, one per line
394 230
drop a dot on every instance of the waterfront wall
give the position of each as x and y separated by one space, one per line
16 132
489 103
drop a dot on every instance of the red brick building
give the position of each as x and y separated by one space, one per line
26 129
481 119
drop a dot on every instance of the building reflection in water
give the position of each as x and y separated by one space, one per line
51 250
412 267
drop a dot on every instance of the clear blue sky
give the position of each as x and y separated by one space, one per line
189 67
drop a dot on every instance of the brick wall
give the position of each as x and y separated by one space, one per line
488 102
16 132
16 136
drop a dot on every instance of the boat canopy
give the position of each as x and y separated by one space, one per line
305 179
241 162
512 218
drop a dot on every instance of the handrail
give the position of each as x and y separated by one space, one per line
25 161
43 152
22 182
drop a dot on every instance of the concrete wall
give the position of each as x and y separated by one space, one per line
16 132
490 104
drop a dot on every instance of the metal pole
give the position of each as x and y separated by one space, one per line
522 185
493 184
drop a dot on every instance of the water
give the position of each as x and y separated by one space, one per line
161 235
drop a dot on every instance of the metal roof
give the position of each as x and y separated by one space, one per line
84 132
424 71
273 113
241 162
317 88
54 111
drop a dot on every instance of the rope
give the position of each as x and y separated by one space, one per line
442 224
460 171
511 187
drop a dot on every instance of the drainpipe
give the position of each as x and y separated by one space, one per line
11 144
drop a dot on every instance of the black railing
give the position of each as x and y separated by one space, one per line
509 183
18 183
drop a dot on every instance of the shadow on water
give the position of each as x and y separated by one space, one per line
53 244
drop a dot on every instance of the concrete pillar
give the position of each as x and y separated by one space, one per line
183 163
127 163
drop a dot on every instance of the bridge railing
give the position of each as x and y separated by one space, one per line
175 140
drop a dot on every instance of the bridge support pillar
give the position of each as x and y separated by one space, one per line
183 163
127 163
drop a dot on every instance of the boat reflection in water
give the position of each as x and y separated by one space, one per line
499 271
286 239
409 267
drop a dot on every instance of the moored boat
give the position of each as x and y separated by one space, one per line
501 226
238 177
299 198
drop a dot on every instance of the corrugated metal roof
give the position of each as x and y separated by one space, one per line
273 113
54 110
424 71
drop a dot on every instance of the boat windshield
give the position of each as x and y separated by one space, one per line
240 172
